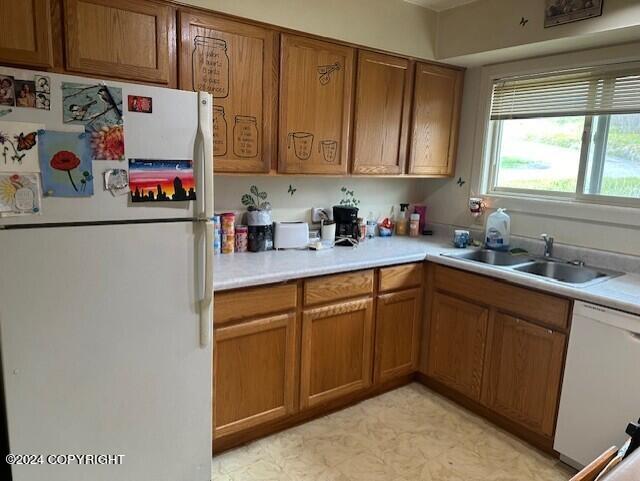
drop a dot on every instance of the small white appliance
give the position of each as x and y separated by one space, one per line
106 308
291 235
600 395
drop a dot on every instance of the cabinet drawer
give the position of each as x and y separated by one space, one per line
400 277
340 286
533 305
245 303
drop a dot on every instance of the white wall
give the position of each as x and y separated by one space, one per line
392 25
486 26
447 202
375 195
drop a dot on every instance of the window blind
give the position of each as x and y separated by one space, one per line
577 92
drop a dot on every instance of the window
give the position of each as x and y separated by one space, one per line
572 135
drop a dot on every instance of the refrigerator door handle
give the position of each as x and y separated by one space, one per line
205 138
206 301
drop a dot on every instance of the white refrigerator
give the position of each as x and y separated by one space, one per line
106 310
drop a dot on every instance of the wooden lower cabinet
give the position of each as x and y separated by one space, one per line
398 318
336 352
457 339
254 366
525 366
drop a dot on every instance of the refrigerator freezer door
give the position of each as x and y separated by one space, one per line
100 331
169 132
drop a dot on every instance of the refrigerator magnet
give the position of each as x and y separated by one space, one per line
158 180
116 181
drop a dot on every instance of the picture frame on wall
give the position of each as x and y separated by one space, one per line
559 12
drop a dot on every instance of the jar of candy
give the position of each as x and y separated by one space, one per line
242 232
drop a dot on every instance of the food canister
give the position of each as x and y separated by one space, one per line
242 232
228 243
228 221
217 240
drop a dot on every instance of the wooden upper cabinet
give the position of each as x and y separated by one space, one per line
127 39
524 373
316 85
436 115
383 103
457 340
25 33
238 64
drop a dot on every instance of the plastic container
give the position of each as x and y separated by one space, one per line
241 238
414 225
217 239
402 223
498 231
362 229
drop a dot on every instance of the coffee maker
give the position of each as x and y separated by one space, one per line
347 230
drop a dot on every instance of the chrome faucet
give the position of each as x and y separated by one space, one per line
548 245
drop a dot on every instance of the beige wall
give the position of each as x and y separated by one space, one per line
391 25
375 195
447 202
489 25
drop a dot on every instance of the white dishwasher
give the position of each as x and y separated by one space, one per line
600 392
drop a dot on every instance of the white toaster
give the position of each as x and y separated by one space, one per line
290 235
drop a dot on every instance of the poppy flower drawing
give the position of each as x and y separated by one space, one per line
66 161
65 164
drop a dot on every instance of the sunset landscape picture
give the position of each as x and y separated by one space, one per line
155 180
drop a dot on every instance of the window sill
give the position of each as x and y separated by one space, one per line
570 209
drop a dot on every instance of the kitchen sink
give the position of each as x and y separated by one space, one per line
550 268
564 272
495 258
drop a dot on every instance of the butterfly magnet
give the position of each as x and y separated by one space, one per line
19 147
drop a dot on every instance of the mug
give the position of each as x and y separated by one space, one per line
461 239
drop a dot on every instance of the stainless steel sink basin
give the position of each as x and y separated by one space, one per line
564 272
495 258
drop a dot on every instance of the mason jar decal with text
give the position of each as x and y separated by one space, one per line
210 63
245 136
219 131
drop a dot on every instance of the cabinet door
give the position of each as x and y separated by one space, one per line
238 64
126 39
254 372
436 115
525 365
336 351
25 33
383 99
397 333
316 84
457 339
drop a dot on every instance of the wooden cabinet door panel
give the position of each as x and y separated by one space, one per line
457 339
254 369
397 333
25 33
336 351
524 371
238 64
436 114
120 38
316 83
383 99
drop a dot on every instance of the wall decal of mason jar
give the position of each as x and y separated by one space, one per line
219 131
302 144
245 136
210 66
329 149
